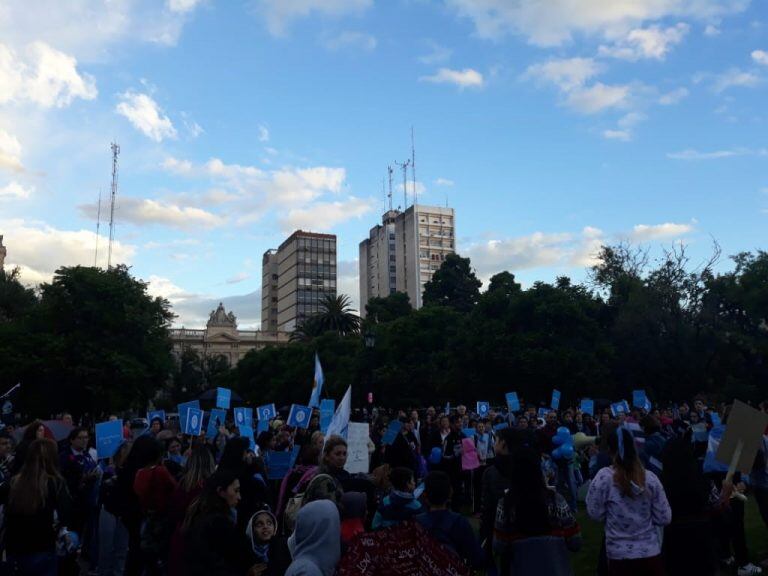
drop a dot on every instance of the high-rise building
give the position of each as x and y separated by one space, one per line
3 253
305 272
403 252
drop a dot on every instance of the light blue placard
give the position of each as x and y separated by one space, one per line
483 408
109 437
327 408
156 414
500 426
279 463
299 416
555 400
182 409
215 420
543 412
588 406
715 417
513 402
262 426
223 398
618 408
469 432
194 423
447 408
639 399
247 432
243 417
392 431
266 412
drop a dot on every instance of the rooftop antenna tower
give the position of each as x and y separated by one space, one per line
115 153
404 167
98 225
413 167
390 171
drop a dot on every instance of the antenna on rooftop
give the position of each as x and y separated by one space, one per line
413 167
404 167
390 170
115 152
98 225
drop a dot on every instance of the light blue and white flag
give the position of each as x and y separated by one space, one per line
317 384
340 421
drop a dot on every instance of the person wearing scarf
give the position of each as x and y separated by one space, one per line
268 553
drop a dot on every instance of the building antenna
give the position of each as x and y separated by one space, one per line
390 171
115 152
413 167
404 167
98 225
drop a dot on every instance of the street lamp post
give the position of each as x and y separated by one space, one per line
370 342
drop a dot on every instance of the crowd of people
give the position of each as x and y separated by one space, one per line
494 494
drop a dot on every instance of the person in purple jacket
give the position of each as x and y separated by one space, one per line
632 503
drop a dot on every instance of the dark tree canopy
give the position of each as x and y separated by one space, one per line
454 284
390 308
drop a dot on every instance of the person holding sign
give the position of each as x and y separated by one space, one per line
632 503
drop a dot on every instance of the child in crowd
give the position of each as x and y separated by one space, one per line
267 553
400 505
353 513
449 528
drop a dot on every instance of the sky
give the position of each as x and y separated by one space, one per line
550 126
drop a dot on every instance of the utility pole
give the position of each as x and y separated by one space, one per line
115 152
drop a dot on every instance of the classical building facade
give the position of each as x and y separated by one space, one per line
222 338
403 252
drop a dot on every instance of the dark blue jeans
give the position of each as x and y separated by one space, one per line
42 564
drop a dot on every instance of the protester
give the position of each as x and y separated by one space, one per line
447 527
400 504
213 544
267 554
632 503
239 459
34 431
353 514
315 545
113 534
37 505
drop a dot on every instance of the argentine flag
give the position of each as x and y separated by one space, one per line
317 385
340 421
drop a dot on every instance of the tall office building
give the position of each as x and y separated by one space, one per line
403 252
3 253
296 277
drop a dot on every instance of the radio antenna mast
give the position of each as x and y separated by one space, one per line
404 167
98 225
413 167
115 152
390 171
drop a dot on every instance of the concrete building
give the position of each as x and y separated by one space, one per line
222 338
306 272
403 252
3 253
269 291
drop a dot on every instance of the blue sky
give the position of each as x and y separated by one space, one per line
550 126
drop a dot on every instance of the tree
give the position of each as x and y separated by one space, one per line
16 300
388 308
337 315
504 282
454 284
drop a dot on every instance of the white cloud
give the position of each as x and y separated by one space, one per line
348 281
570 76
444 182
555 22
237 278
39 249
183 6
711 30
193 128
15 191
467 78
437 55
143 211
647 233
625 126
263 133
146 116
653 42
533 251
691 154
161 287
42 75
673 97
622 135
280 13
735 77
10 152
351 40
760 57
323 216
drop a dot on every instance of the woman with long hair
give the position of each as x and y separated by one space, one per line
632 503
212 542
34 431
200 466
38 503
535 527
240 459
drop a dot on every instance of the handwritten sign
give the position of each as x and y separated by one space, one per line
357 448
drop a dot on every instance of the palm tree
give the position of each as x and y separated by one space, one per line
337 315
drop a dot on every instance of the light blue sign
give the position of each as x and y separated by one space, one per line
244 417
247 432
513 402
153 414
109 437
215 421
279 463
182 408
588 406
223 398
266 412
327 409
715 417
447 408
640 400
483 408
392 431
619 408
469 432
543 412
194 424
500 426
555 400
299 416
262 426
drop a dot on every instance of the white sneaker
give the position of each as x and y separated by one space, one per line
749 570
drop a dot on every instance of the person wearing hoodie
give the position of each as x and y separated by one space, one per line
267 554
315 545
400 504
